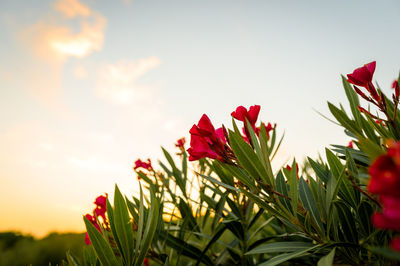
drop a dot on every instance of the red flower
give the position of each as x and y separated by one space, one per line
381 221
385 173
251 115
180 143
101 207
146 262
395 244
200 148
101 201
385 181
92 219
87 239
395 86
362 76
269 128
140 164
205 141
350 145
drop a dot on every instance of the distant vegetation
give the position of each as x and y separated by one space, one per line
18 249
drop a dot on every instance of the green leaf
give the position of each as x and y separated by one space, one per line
285 246
185 248
215 181
294 188
345 121
319 170
110 214
140 223
247 158
286 256
89 256
386 252
328 259
347 221
281 187
309 204
240 174
372 149
101 246
72 260
177 174
364 212
220 230
150 229
353 100
123 226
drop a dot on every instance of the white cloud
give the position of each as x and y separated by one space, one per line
118 82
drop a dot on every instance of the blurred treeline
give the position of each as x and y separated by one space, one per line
18 249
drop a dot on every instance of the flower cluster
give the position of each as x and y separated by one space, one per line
141 164
362 77
206 141
99 211
385 182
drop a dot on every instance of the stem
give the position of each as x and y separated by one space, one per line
356 186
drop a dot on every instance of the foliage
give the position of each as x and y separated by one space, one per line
230 208
18 249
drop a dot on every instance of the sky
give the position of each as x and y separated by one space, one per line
89 86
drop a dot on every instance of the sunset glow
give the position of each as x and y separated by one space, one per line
90 86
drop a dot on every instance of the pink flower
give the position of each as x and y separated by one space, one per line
362 76
145 165
205 141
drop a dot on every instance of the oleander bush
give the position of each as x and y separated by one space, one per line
220 202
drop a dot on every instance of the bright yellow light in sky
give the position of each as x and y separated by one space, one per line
76 48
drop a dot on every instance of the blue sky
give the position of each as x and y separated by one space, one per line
89 86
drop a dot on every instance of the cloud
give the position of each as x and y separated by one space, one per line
118 82
54 39
58 42
71 8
